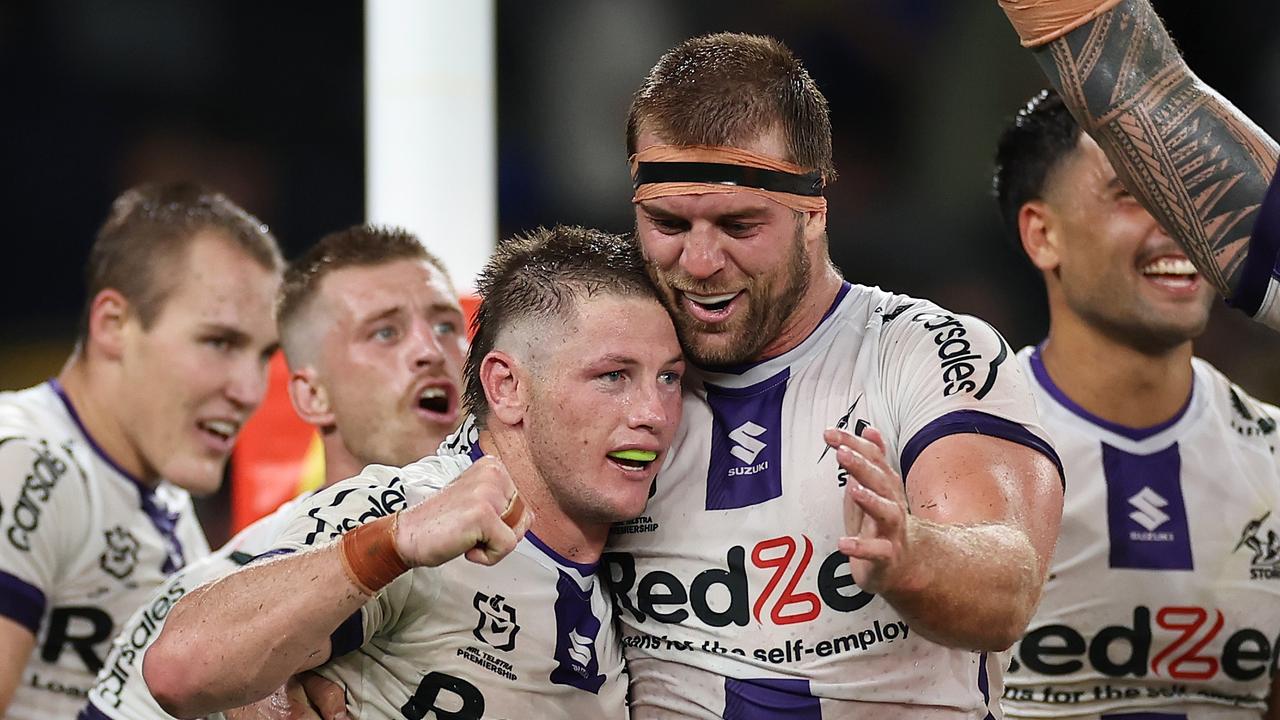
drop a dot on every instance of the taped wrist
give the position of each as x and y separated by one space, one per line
369 555
1043 21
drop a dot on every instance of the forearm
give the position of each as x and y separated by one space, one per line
237 640
974 586
1192 158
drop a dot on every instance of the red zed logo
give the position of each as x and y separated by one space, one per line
1190 664
791 607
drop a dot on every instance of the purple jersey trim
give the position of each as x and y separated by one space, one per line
973 421
347 637
584 569
91 712
1263 259
1136 434
21 601
744 367
984 685
165 522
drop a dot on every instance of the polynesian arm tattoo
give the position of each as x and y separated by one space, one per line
1190 157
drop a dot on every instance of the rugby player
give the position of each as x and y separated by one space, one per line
876 569
1162 595
1189 156
373 335
96 465
574 381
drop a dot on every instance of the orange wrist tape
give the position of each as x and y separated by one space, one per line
1043 21
369 555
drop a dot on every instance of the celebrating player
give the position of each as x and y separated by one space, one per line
95 465
574 379
1162 595
373 334
779 571
1189 156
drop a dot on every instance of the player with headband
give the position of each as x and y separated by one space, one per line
857 514
1190 157
577 409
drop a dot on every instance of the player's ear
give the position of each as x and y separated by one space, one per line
109 312
815 225
503 380
310 397
1037 227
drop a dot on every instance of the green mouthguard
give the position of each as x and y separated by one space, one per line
636 455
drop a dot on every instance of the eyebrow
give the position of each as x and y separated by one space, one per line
743 214
233 335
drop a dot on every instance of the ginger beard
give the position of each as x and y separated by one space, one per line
765 303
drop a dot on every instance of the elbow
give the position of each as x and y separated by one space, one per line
172 680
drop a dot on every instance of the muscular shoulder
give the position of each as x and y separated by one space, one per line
924 343
1254 421
378 491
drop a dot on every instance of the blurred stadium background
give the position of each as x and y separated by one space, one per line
266 102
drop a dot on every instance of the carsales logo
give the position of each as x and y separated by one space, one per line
724 595
1120 651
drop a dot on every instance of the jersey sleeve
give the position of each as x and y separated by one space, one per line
1258 291
328 514
43 516
946 374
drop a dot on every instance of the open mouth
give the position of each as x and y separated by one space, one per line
434 400
1174 273
711 303
222 433
633 460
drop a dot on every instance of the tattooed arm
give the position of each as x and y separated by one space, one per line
1194 161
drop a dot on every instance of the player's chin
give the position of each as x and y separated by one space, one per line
198 473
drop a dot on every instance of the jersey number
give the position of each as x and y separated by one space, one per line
461 699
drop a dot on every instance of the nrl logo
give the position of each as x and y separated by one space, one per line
497 624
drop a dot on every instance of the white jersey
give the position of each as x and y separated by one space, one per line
1164 590
733 596
119 692
82 545
530 637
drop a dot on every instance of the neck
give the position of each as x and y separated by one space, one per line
581 542
339 462
1115 381
90 391
823 288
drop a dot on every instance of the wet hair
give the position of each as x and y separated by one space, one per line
149 229
1031 146
541 277
356 246
728 89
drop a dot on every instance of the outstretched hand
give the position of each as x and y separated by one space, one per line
878 526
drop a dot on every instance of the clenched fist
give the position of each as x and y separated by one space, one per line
479 515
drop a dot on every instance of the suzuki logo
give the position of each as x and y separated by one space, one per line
579 648
1148 514
747 447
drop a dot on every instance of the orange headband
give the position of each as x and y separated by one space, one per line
721 156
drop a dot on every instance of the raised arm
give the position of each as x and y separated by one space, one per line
238 639
1190 157
961 548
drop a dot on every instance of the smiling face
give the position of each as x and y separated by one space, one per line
732 268
200 369
391 348
604 405
1112 264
